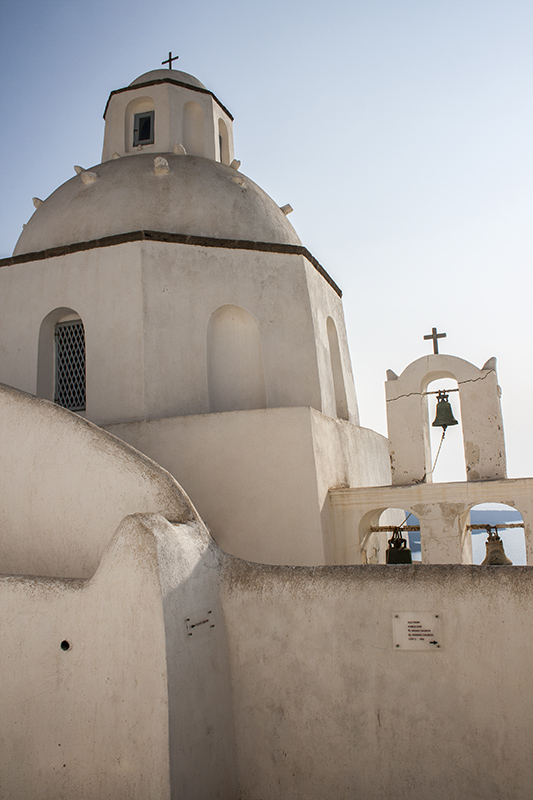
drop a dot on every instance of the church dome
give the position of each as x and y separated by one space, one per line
168 74
197 197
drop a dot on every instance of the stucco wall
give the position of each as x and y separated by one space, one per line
140 701
65 484
146 308
89 283
326 707
327 304
260 479
91 721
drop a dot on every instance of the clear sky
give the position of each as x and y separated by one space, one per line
399 130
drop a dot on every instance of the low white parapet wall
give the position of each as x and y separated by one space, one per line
441 508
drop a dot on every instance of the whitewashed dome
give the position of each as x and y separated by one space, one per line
168 74
197 197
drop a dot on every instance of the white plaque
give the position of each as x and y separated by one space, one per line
416 630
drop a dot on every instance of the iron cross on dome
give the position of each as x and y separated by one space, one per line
170 59
435 336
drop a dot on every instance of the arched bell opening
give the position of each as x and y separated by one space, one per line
497 533
379 527
446 453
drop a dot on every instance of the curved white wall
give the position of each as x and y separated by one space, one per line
66 485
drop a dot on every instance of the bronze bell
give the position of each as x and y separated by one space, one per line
397 551
495 556
444 416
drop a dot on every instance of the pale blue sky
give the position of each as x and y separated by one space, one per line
400 132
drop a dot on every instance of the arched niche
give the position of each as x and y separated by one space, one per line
139 106
223 141
57 323
193 129
408 424
341 405
235 372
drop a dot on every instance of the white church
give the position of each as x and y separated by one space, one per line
199 597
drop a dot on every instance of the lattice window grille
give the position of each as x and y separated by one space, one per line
70 365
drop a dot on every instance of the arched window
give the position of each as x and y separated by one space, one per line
235 373
61 373
69 389
193 129
223 144
341 405
139 124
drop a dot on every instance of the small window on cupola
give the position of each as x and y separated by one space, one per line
143 128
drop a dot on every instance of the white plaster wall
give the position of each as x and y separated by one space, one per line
90 722
136 708
326 707
104 286
326 303
260 478
146 308
345 456
201 730
64 487
184 286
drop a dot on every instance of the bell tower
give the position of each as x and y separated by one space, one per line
167 111
479 393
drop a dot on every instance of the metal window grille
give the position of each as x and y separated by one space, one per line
70 365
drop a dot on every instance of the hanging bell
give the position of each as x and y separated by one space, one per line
495 554
444 416
397 552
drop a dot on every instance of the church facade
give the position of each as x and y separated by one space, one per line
193 519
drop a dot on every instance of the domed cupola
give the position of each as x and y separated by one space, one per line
166 111
181 181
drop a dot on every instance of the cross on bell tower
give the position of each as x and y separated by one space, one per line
170 59
435 336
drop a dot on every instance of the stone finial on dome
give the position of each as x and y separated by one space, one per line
87 176
161 166
163 107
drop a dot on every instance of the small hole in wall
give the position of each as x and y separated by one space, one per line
65 645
